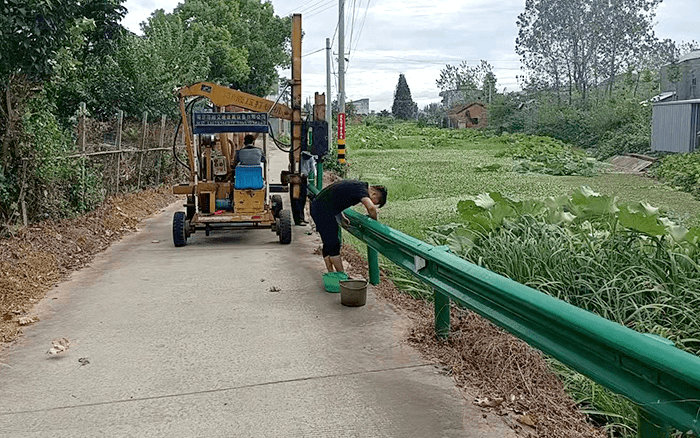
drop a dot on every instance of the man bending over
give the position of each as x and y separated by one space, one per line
330 202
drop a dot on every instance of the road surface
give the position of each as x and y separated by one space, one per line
232 335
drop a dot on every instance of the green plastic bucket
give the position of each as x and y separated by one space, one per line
353 293
331 281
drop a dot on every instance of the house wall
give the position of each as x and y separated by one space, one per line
361 106
689 85
675 126
464 118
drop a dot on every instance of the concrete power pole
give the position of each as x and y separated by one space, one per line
341 82
329 99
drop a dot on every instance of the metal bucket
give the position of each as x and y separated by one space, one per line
353 293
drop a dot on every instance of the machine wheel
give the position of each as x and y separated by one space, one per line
285 228
276 205
179 229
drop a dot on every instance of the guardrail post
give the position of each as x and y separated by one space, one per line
442 314
373 262
651 427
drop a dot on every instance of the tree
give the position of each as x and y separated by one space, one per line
572 46
464 83
244 40
432 114
404 107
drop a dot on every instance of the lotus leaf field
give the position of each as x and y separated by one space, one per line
546 215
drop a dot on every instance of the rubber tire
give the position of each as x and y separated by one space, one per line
276 205
285 228
179 229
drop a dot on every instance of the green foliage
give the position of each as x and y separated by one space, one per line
681 171
403 107
32 32
464 83
54 184
627 262
331 163
547 155
244 40
615 413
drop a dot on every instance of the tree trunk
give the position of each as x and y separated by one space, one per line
8 128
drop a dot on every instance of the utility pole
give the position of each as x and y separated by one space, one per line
341 82
329 99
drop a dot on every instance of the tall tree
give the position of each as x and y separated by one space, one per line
244 40
575 45
464 83
404 107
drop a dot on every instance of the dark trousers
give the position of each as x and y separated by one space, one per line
327 227
299 204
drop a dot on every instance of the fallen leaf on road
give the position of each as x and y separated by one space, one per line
488 402
26 320
83 361
155 241
275 289
59 346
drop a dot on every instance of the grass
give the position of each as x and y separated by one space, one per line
429 181
428 172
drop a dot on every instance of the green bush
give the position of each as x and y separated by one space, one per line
681 171
56 186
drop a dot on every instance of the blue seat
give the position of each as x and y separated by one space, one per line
249 177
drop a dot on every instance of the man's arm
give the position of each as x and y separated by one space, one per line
371 208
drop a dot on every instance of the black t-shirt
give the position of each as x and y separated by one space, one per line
341 195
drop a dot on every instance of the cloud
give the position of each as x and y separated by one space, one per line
417 38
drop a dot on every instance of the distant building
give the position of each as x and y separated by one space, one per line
361 106
686 72
675 118
471 115
675 126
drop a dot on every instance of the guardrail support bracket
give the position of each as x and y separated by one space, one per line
650 426
442 314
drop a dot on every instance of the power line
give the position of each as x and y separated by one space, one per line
362 26
303 7
315 51
320 7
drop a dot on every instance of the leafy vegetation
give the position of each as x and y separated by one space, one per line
681 171
79 52
634 263
626 262
404 107
547 155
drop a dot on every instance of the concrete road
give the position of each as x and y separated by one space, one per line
229 336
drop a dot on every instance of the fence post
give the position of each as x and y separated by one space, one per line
83 110
442 314
144 128
120 119
650 427
373 262
22 192
161 143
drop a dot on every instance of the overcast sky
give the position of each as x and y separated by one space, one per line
384 38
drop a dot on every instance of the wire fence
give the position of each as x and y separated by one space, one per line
118 155
130 154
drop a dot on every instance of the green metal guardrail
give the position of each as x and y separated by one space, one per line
662 380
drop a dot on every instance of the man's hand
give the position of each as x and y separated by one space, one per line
371 208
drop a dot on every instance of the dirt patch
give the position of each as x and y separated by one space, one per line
39 256
510 378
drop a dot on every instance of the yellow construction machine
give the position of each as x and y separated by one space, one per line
220 194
